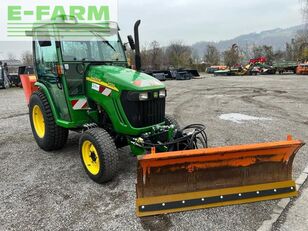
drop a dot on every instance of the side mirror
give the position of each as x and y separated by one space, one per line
131 42
45 43
125 46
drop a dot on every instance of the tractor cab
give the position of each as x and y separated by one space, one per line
83 70
61 59
93 46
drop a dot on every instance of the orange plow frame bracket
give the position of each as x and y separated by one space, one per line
203 178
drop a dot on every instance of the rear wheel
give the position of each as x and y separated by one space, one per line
48 135
99 155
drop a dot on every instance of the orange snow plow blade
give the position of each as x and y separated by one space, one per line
203 178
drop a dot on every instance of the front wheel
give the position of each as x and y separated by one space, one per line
99 155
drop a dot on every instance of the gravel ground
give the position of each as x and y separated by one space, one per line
50 191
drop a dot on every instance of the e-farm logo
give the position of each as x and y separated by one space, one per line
24 15
40 13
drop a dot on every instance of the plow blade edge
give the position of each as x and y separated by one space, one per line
203 178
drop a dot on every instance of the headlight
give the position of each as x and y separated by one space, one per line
143 96
162 93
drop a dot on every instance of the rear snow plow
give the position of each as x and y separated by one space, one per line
211 177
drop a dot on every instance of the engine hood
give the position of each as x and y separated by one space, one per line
124 78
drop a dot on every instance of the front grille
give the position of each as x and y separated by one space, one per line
144 113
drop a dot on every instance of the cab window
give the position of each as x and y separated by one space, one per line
46 61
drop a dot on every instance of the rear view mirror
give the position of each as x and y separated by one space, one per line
45 43
131 42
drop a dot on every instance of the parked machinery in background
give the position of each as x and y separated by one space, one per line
302 69
212 69
285 66
4 80
175 74
256 66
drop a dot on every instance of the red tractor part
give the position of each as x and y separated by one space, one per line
258 60
28 84
302 69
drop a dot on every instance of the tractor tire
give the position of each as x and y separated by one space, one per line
171 120
48 135
99 155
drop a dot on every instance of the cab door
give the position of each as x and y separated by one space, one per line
46 62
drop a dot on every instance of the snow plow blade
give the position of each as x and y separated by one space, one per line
203 178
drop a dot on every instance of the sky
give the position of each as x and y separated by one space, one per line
192 21
206 20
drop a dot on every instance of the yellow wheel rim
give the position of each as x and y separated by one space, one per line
90 157
38 121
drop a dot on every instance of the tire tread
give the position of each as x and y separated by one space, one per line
57 136
107 153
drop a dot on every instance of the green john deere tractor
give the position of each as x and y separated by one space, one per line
85 84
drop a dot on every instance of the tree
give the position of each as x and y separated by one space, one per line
289 52
279 55
179 55
232 56
212 56
11 56
269 54
195 56
257 51
298 48
301 45
304 12
246 53
145 60
130 57
266 51
155 55
27 58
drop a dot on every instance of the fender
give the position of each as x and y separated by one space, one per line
59 122
42 87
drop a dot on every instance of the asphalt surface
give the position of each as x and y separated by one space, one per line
50 191
294 217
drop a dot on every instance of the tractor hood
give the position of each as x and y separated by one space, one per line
123 78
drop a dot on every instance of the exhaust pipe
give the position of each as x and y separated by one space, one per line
137 46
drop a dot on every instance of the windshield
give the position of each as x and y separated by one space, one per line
101 48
